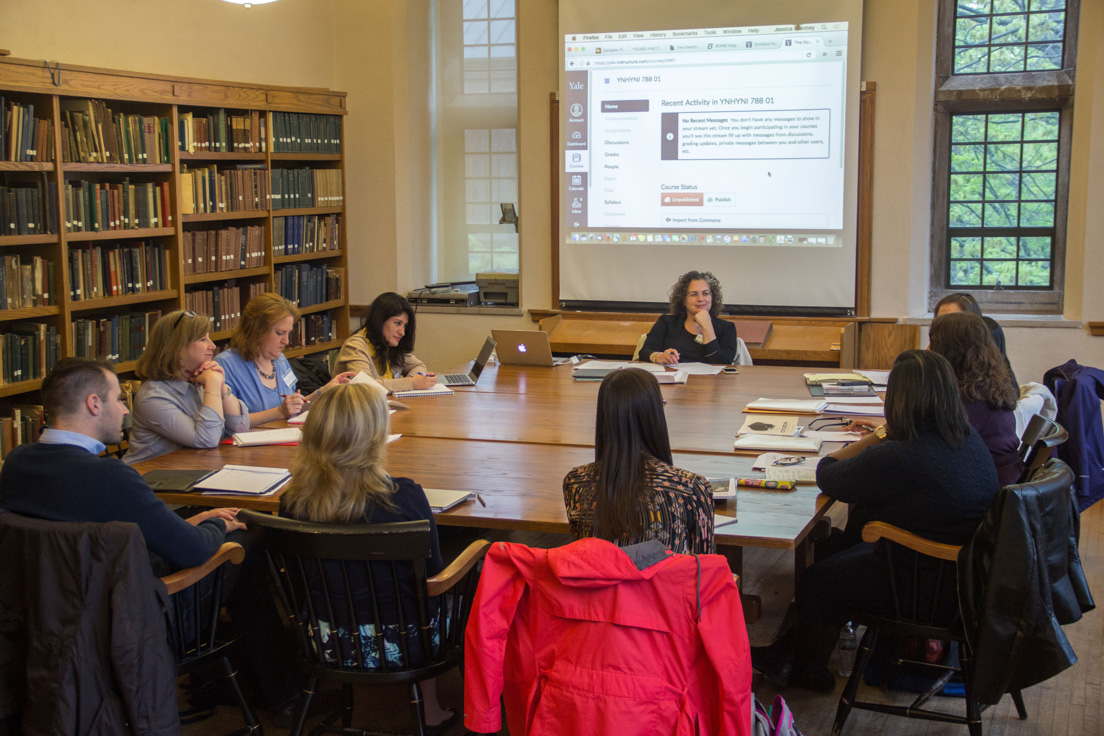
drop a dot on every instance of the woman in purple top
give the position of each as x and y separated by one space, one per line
984 384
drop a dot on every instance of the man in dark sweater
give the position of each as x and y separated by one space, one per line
63 478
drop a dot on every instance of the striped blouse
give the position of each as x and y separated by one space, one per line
679 512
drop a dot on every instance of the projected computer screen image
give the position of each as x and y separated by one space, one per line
724 130
682 145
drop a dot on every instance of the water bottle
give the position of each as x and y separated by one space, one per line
848 644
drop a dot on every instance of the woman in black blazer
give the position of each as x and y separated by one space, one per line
692 330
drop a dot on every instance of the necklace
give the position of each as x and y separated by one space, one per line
267 376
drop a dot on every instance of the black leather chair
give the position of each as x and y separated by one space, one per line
917 614
199 638
336 583
1039 439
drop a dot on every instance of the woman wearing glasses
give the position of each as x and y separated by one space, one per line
255 364
632 492
184 400
692 331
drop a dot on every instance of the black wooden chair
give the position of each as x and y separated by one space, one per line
917 613
339 584
1039 439
199 638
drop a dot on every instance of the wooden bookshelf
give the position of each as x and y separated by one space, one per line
316 256
26 165
142 232
239 273
123 300
161 96
28 240
12 315
217 216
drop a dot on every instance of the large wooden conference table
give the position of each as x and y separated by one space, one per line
514 436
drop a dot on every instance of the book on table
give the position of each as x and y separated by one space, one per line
785 425
775 443
245 480
787 406
443 500
258 437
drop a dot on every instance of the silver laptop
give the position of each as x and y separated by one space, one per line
525 347
469 378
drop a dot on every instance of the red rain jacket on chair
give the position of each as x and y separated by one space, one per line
581 641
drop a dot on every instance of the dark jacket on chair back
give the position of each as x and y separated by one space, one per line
1020 580
1078 390
83 643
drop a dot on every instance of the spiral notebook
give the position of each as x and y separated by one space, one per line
439 389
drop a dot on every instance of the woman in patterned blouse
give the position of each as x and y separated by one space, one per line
631 492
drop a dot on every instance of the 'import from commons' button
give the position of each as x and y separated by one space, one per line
682 199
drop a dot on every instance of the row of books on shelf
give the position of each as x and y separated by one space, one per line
222 303
313 329
114 338
28 350
226 249
100 206
218 132
306 284
297 234
207 189
28 282
92 133
23 137
298 132
23 426
101 271
28 208
306 188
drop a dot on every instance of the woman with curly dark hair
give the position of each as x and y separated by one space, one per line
692 330
984 384
383 347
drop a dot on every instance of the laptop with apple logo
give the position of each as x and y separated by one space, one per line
525 347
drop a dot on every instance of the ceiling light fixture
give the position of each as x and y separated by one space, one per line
249 3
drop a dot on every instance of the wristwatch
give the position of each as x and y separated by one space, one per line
880 432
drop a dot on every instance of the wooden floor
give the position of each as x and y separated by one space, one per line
1070 704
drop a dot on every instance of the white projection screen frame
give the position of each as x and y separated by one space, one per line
706 135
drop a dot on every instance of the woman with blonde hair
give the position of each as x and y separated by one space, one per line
255 365
184 400
338 477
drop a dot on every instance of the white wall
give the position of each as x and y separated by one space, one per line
378 52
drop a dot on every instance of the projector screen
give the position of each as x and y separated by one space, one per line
730 149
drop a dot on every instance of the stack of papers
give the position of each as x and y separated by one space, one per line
880 379
802 472
285 436
301 418
856 406
787 406
438 389
362 377
779 444
596 370
244 480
